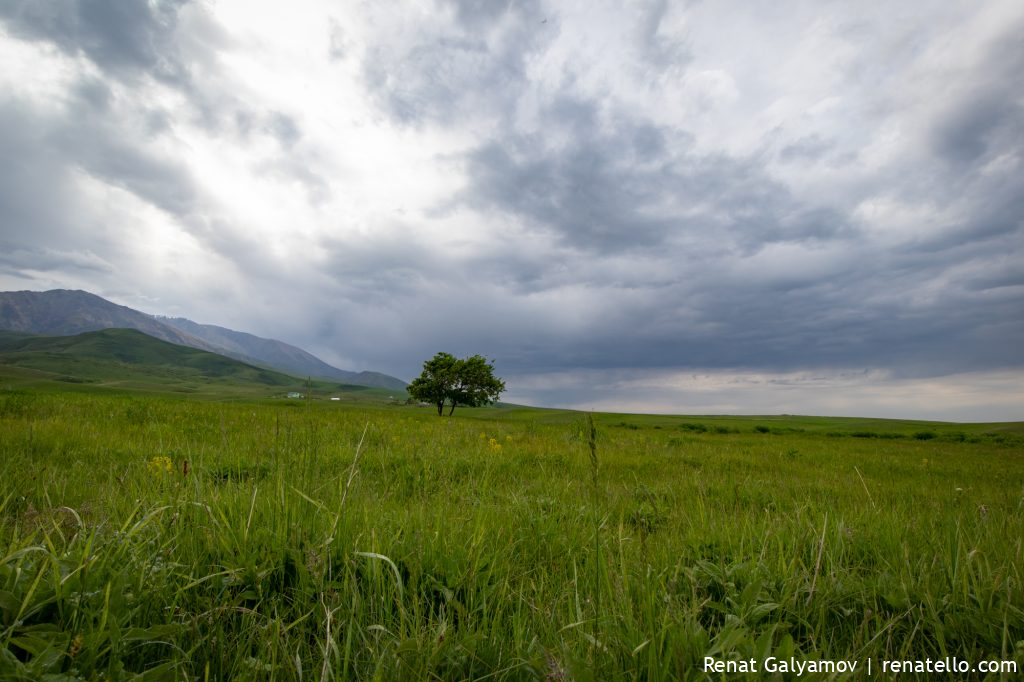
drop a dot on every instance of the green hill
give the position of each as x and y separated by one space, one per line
62 312
129 359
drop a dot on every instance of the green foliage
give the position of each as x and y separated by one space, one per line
437 381
447 379
476 385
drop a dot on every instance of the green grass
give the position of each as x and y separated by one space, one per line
320 540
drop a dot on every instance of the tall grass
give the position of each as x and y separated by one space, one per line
326 542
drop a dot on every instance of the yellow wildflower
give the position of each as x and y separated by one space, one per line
160 464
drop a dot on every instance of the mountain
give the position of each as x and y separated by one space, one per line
128 356
278 354
129 360
62 312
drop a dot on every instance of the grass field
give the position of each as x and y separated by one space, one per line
177 538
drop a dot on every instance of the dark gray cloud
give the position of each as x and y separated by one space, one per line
987 116
33 190
630 189
975 126
723 246
85 137
126 38
603 191
171 42
453 75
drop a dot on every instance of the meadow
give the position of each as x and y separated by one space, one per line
169 537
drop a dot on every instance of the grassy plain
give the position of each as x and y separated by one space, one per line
175 538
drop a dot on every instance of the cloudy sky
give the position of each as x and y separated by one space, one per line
710 207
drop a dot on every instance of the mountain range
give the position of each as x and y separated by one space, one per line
63 312
130 358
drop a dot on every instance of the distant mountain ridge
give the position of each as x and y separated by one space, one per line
277 354
63 312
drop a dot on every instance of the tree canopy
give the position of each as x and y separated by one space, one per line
448 379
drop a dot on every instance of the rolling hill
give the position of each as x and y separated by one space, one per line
63 312
112 355
131 360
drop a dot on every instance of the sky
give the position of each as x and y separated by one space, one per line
676 207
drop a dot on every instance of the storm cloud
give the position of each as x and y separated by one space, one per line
626 207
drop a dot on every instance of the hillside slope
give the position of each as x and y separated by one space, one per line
63 312
118 355
249 348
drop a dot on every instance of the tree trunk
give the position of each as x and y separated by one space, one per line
440 408
451 410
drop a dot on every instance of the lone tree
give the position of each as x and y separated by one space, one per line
437 381
445 378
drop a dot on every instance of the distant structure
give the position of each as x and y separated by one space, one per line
295 394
